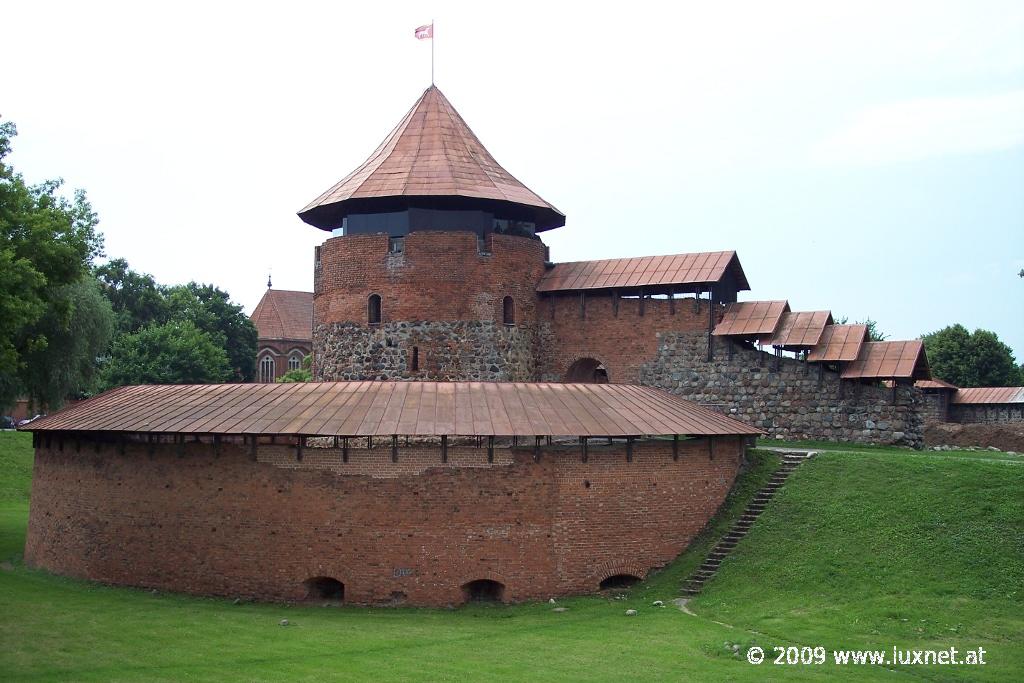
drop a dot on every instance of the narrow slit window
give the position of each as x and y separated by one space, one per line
415 359
373 309
508 311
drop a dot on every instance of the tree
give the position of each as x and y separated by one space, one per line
210 309
874 334
136 298
66 364
173 353
47 243
303 374
975 359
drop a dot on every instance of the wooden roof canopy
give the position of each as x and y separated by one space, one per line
430 160
393 408
681 272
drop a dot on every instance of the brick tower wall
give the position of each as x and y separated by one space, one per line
214 522
441 295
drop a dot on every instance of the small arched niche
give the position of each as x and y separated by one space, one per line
324 589
587 371
617 581
483 590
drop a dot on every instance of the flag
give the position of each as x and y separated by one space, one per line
425 32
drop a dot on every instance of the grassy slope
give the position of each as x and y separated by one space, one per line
916 552
59 629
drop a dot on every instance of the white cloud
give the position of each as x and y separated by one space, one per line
927 127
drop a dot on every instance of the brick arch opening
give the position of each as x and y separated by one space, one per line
483 590
587 371
324 588
619 581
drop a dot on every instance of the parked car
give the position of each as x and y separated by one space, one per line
6 422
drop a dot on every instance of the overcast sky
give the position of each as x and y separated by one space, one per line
862 157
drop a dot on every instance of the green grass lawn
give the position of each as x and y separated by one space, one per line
861 549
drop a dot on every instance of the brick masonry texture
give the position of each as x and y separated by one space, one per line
785 397
214 522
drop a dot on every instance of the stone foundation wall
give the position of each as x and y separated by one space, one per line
785 397
213 521
469 350
986 414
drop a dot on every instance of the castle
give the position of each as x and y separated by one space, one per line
436 270
573 426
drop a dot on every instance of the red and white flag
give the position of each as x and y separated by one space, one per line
425 32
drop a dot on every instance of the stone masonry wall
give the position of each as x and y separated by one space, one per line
993 413
213 521
790 401
469 350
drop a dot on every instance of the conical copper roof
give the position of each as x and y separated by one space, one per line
430 160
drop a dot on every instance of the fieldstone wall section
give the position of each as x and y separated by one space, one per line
445 350
785 397
986 414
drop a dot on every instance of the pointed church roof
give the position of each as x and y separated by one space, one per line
284 314
430 153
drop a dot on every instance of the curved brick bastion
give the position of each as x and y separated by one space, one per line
310 491
210 520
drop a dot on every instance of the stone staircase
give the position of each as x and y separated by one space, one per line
791 459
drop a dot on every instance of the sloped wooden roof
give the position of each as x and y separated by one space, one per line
989 395
889 360
430 153
751 318
703 268
284 314
393 408
799 329
839 343
935 384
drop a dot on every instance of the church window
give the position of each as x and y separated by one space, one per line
267 369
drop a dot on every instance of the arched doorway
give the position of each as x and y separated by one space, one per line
587 371
619 581
324 588
483 590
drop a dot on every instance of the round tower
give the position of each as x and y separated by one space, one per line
434 259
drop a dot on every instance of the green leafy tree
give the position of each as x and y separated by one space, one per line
968 359
66 364
137 300
47 243
210 309
303 374
177 352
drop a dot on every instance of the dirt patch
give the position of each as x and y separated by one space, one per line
1005 436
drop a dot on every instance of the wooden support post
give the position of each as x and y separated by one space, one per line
583 448
335 443
675 447
641 303
299 443
536 449
583 305
216 444
369 443
444 449
490 449
615 303
711 326
696 301
344 449
394 448
672 301
515 442
629 449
